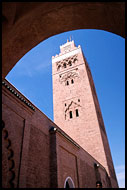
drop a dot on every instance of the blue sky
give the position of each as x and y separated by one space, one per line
105 54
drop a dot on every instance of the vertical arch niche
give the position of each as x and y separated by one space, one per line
69 183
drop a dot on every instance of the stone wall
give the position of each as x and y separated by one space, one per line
75 162
29 136
36 155
87 127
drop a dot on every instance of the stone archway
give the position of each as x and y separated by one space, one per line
26 24
69 183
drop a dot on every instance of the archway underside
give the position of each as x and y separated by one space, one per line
26 24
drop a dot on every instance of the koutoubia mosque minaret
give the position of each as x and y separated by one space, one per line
76 106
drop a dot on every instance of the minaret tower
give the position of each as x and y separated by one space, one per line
76 107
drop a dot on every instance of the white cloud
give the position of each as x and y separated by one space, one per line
120 173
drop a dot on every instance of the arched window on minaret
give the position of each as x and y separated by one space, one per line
70 113
67 83
70 63
77 113
72 81
64 65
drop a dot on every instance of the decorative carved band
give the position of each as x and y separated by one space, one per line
10 155
17 95
72 102
68 75
65 62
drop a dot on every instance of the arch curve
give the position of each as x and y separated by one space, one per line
69 183
29 23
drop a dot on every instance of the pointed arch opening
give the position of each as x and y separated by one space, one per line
69 183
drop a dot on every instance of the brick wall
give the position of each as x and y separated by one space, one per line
74 162
29 136
34 157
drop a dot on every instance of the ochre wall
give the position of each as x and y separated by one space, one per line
26 24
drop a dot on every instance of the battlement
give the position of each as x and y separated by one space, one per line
66 48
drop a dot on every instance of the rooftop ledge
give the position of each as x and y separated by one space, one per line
60 54
17 95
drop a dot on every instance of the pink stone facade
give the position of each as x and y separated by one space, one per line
74 91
